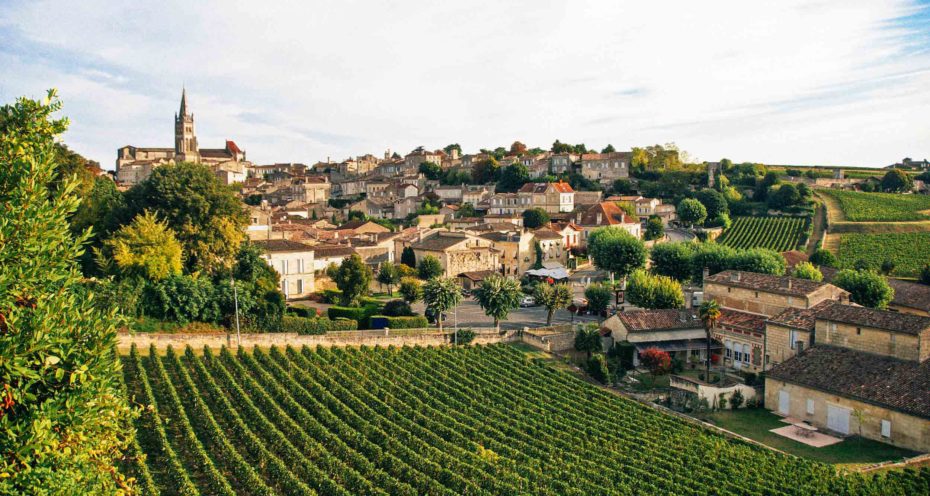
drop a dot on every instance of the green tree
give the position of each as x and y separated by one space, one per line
616 250
64 420
208 219
486 171
441 294
622 187
609 149
673 260
388 276
410 289
691 211
559 147
897 181
453 146
714 202
497 296
100 210
430 170
709 313
865 287
353 279
598 296
588 340
467 210
534 218
824 258
408 257
806 270
144 248
553 297
784 196
760 260
887 267
513 177
649 291
429 268
517 148
655 229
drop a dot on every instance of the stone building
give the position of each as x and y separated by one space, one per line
606 167
680 333
605 214
552 197
294 262
867 373
554 248
517 254
135 164
458 252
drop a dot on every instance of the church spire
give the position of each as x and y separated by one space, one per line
183 101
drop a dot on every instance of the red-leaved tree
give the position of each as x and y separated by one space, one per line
657 361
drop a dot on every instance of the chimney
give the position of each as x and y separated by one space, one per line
705 273
735 276
786 283
599 218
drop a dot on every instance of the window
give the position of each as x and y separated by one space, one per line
858 331
886 428
729 290
729 351
793 339
810 406
300 286
746 354
757 294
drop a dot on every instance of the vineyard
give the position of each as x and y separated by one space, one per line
775 233
908 251
438 421
881 207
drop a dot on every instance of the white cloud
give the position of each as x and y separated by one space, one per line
783 82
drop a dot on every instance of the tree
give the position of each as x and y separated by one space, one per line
207 217
101 212
655 229
806 270
865 287
441 294
467 210
784 196
759 260
553 297
408 257
709 314
430 170
622 187
559 147
63 417
517 148
486 171
497 296
769 180
609 149
714 202
145 248
588 340
897 181
598 369
673 260
691 211
388 276
513 177
353 279
410 289
656 361
453 146
534 218
616 250
888 267
652 292
429 268
598 296
824 258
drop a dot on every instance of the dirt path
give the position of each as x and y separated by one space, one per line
817 230
834 209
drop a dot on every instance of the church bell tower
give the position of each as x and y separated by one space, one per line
185 141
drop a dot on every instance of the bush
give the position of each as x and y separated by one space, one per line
352 313
678 365
597 368
463 336
397 308
331 295
736 400
405 322
302 312
320 325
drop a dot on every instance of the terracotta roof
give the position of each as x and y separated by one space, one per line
353 224
742 320
786 285
885 381
327 251
910 294
880 319
611 215
281 245
657 320
438 243
231 146
606 156
800 318
546 234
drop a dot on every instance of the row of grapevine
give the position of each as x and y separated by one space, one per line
775 233
438 421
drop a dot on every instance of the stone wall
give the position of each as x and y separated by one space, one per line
712 393
778 343
906 431
347 338
882 342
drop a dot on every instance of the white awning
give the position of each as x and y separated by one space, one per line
558 273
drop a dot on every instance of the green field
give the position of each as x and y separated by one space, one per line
908 251
881 207
775 233
439 421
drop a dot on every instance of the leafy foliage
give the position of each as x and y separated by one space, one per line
588 340
655 229
616 250
714 202
429 268
410 289
64 420
144 248
865 288
806 270
652 292
553 297
353 279
408 257
497 296
441 294
824 258
534 218
513 177
656 361
691 211
897 181
673 259
388 276
598 296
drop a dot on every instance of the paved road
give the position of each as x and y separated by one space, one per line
469 314
679 235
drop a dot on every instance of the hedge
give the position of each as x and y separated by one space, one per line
320 325
358 314
415 322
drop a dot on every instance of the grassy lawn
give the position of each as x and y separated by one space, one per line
756 423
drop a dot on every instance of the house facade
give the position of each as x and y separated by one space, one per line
294 262
457 252
606 167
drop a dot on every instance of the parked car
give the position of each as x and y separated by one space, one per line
527 301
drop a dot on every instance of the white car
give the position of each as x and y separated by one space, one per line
527 301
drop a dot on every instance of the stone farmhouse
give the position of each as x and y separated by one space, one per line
605 214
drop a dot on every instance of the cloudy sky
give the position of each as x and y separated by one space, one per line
787 82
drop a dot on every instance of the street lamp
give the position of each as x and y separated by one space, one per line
232 281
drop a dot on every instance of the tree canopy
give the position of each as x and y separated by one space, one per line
691 211
865 287
441 294
897 181
616 250
353 279
534 218
513 177
144 248
497 296
553 297
429 268
806 270
653 292
655 229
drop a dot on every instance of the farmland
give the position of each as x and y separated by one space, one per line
775 233
880 207
442 421
908 251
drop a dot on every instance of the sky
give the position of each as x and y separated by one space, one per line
780 82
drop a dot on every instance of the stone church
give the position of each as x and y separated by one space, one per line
134 164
